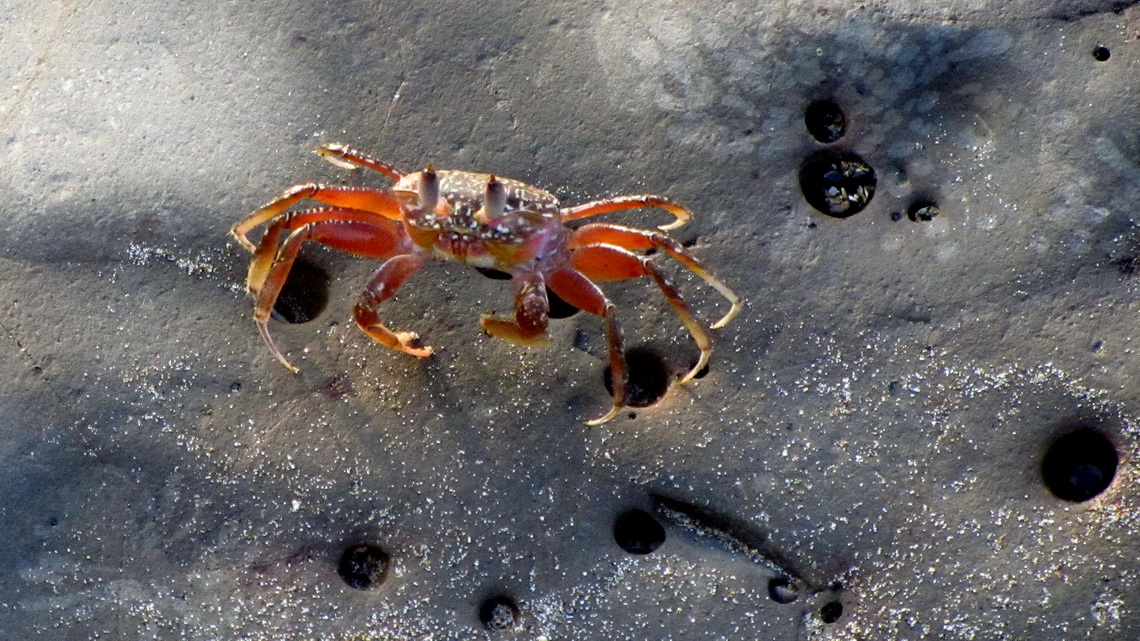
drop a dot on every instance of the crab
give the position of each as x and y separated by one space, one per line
482 221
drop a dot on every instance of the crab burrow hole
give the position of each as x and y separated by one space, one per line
499 613
1079 465
922 210
648 378
637 532
304 295
363 566
831 611
825 121
837 183
782 590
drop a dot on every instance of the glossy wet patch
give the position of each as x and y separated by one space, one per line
736 537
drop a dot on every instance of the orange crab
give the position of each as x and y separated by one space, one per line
482 221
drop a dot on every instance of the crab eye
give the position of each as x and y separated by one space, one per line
429 188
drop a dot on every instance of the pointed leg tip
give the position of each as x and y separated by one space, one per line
242 240
284 361
702 362
293 369
607 418
332 152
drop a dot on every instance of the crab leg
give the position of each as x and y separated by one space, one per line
385 281
606 262
633 239
377 241
378 201
531 309
574 288
346 157
604 206
360 238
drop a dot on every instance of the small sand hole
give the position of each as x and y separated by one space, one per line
304 295
837 183
637 532
781 590
1079 465
363 566
825 121
648 378
922 211
703 372
499 613
831 611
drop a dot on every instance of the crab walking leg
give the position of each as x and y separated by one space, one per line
531 310
353 236
606 262
377 201
574 288
383 286
346 157
633 239
377 240
593 208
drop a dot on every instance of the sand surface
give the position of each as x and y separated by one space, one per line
873 424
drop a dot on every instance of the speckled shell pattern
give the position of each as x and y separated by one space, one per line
528 234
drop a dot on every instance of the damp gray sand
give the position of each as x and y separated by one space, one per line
875 451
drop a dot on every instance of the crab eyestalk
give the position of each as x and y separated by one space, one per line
494 202
429 189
